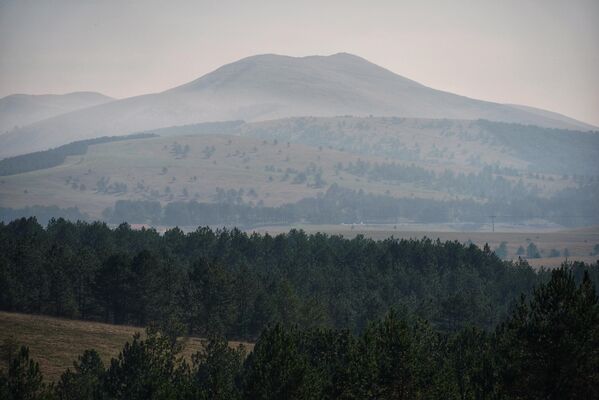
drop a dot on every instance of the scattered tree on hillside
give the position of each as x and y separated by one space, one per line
502 251
532 251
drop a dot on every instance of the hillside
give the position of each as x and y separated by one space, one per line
19 110
56 342
269 87
151 169
442 141
276 163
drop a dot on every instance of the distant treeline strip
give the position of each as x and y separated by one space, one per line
337 205
53 157
343 205
42 213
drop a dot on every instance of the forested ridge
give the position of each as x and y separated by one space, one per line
234 284
331 317
546 348
56 156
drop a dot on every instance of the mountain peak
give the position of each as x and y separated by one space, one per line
265 69
272 86
275 56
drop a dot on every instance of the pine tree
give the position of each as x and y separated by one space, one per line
217 370
145 369
550 345
23 380
85 381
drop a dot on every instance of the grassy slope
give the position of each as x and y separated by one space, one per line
238 165
240 162
55 343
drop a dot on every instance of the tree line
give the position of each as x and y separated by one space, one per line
546 348
484 184
43 214
56 156
234 284
342 205
334 206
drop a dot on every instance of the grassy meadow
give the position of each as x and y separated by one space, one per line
56 342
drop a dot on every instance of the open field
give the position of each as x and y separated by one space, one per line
55 342
579 242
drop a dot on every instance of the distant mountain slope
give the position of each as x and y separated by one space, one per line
438 142
555 116
18 110
277 162
268 87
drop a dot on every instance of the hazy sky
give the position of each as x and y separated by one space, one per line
541 53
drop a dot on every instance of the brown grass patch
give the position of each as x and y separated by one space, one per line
56 343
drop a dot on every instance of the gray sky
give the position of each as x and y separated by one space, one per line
541 53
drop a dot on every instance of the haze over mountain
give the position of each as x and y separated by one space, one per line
267 87
23 109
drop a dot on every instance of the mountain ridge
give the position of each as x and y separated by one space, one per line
265 87
21 109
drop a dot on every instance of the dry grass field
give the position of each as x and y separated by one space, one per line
55 342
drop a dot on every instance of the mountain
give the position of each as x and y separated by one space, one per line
18 110
267 87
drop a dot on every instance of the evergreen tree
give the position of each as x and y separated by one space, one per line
502 251
550 345
532 251
145 369
217 370
85 381
472 363
113 286
276 369
23 379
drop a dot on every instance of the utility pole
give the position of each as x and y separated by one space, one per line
493 222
